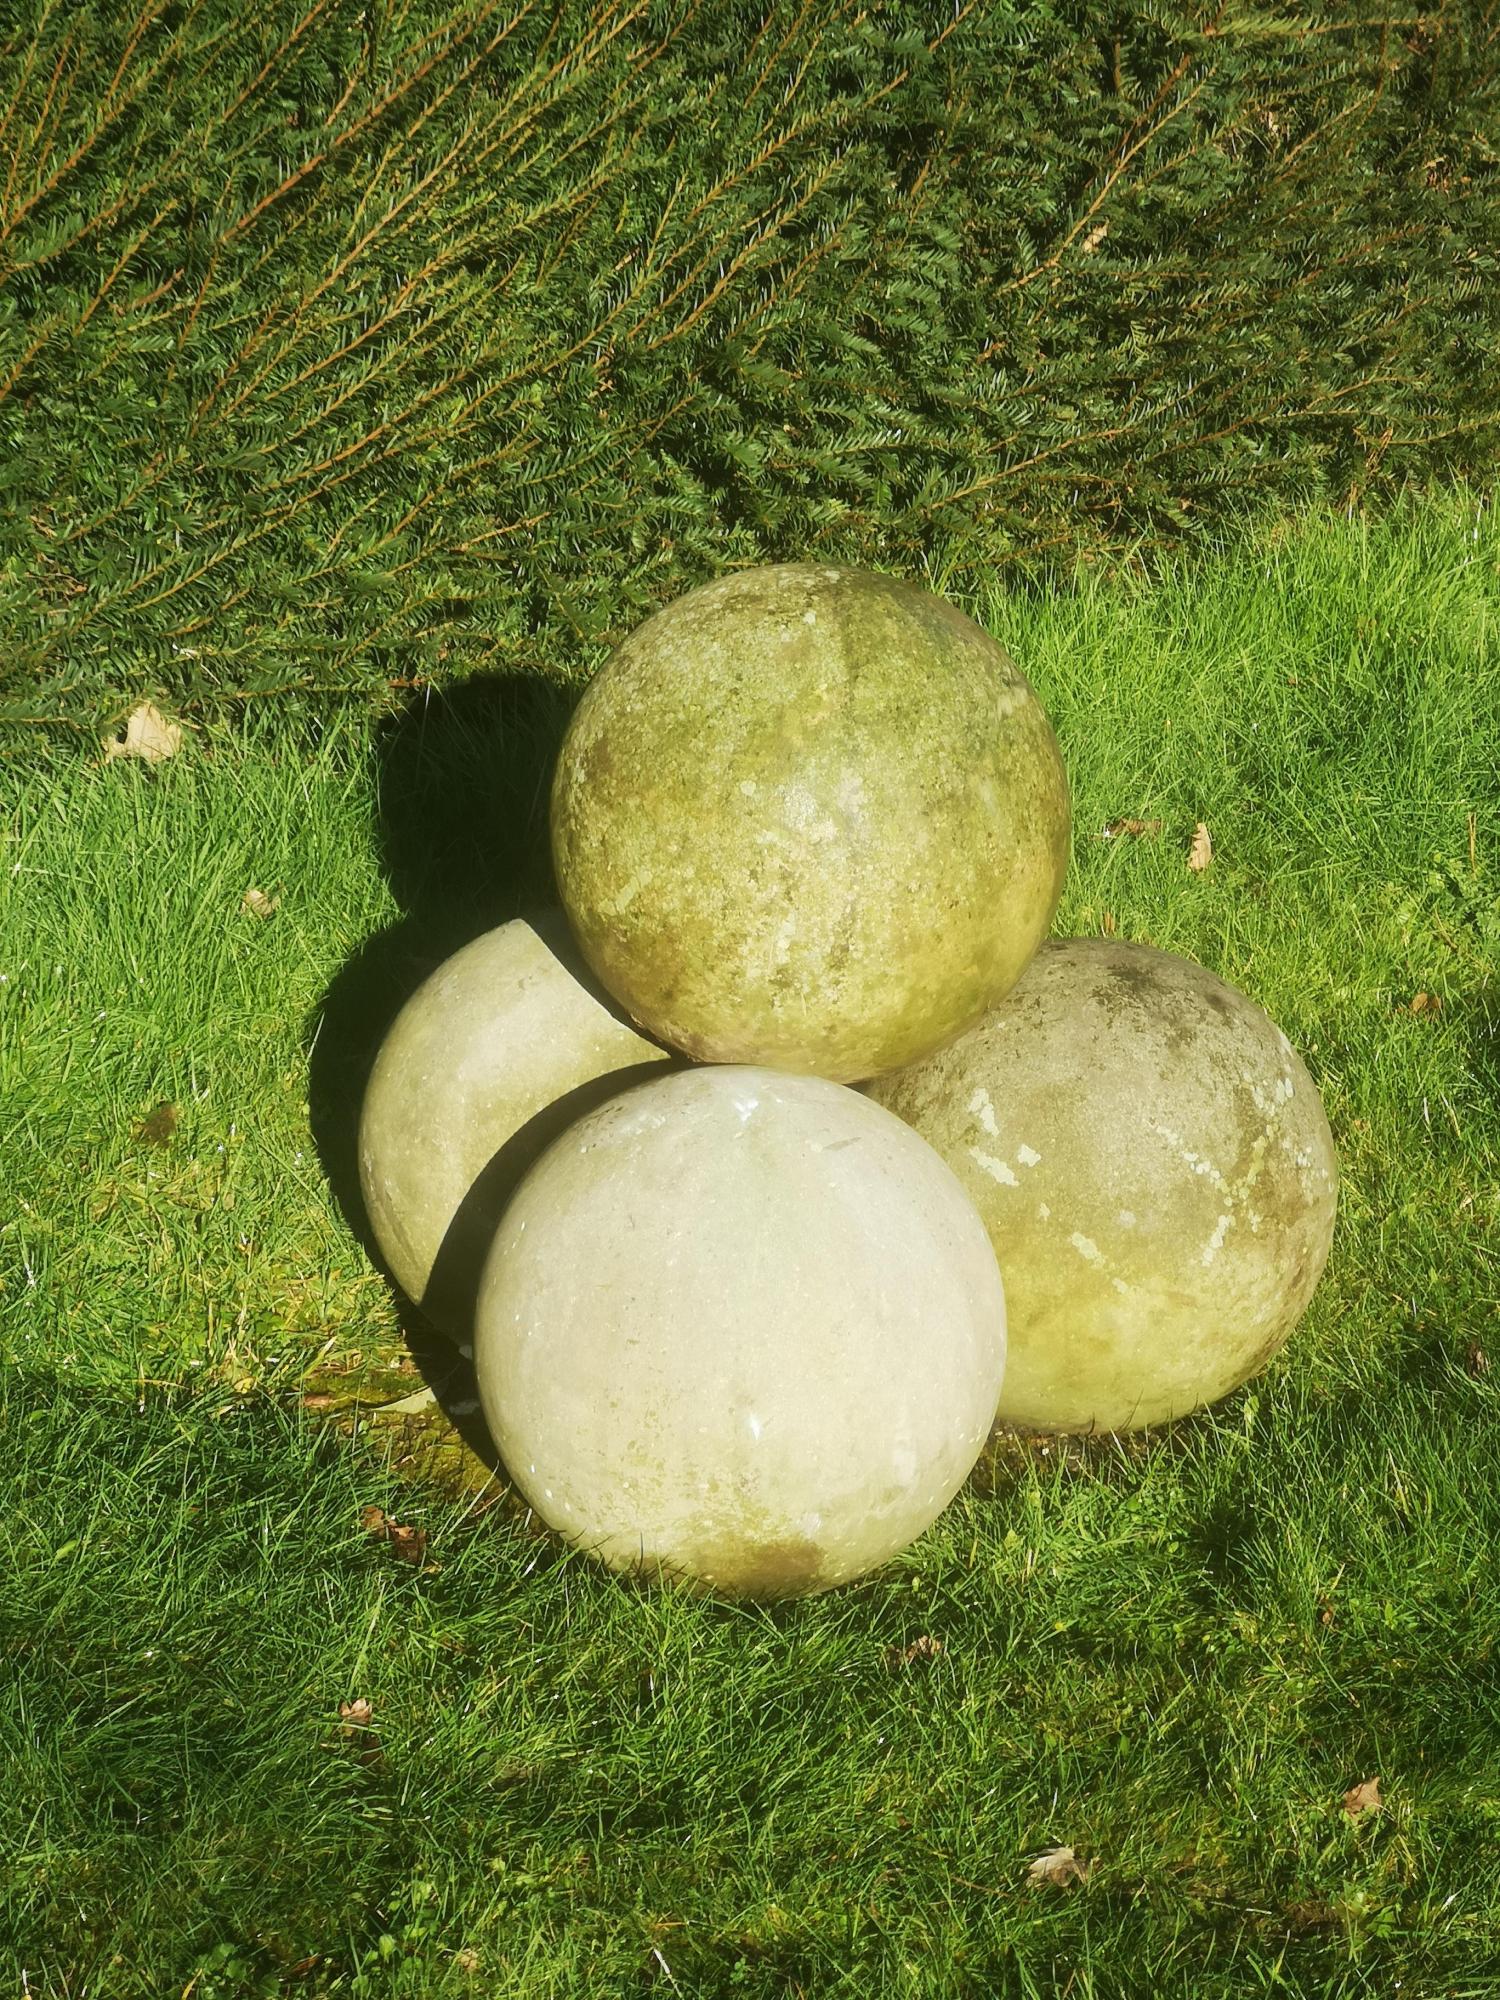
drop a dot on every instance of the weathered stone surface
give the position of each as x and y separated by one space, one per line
487 1062
809 817
1156 1172
741 1327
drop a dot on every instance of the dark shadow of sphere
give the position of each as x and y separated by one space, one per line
463 781
462 784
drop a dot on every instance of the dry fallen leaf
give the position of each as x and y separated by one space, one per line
1137 829
1107 923
1057 1868
157 1127
355 1727
1475 1359
408 1544
1362 1798
259 904
1426 1003
1202 850
147 734
924 1648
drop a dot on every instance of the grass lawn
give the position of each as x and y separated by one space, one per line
1175 1654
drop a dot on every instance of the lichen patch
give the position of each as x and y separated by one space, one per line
981 1105
1215 1242
1186 1154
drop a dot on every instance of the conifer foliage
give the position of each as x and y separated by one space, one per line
348 343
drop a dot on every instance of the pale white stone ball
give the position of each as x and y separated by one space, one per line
740 1328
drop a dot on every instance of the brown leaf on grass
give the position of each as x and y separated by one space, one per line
355 1718
157 1127
146 733
1476 1361
1363 1797
923 1648
1426 1003
259 904
408 1544
1058 1867
1107 923
1202 850
1136 829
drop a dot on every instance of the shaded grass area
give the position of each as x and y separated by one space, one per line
1173 1654
1175 1661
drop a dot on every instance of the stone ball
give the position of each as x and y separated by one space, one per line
1156 1172
489 1060
809 817
742 1329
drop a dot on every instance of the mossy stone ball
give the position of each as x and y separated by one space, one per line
809 817
1156 1171
741 1329
490 1058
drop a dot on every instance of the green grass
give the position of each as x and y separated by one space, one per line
1174 1654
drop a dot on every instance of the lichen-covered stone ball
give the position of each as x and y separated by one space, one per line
742 1329
809 817
1156 1172
489 1059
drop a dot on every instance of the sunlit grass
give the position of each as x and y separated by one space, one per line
1174 1656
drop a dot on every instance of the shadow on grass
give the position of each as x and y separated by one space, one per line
462 786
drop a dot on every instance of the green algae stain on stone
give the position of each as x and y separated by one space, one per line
1155 1169
809 817
758 1567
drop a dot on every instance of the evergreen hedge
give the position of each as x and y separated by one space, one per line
346 344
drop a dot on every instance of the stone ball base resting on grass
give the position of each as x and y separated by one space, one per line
742 1329
491 1057
810 817
1156 1172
